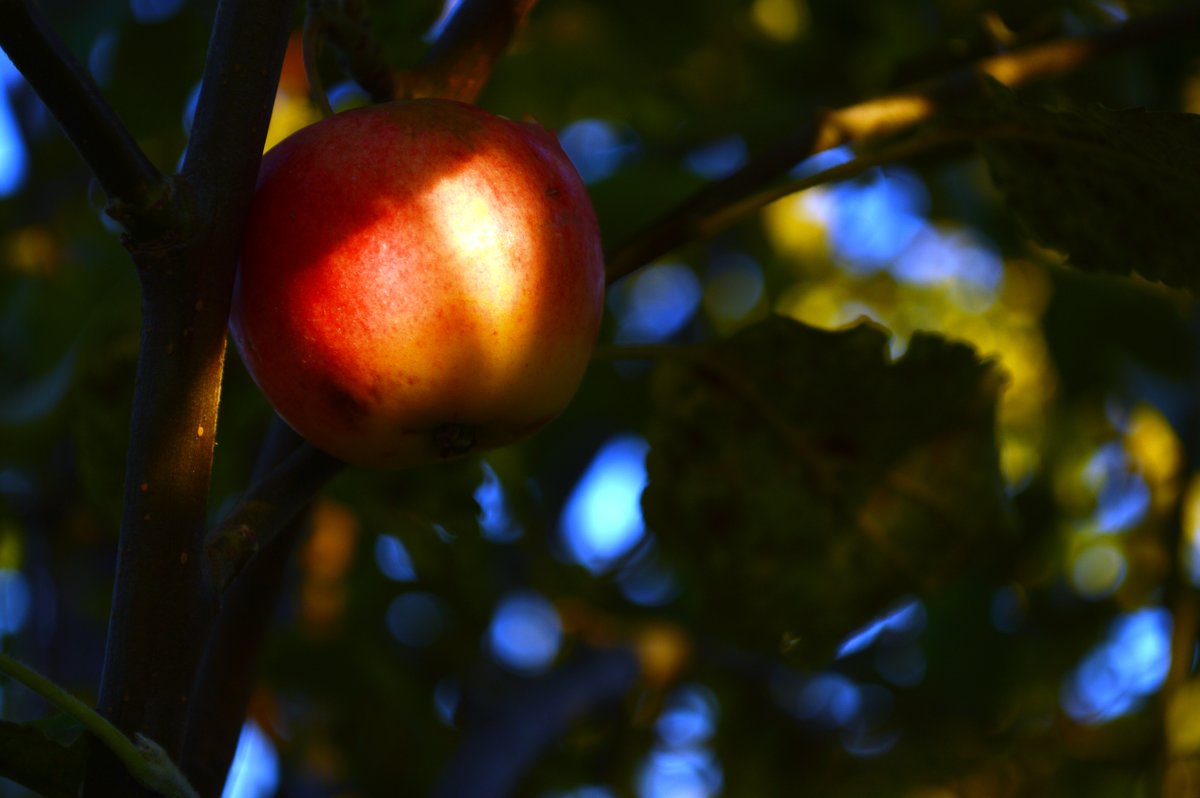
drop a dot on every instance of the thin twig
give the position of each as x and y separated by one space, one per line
227 675
142 757
884 116
265 510
127 176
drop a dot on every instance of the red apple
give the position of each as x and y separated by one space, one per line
419 280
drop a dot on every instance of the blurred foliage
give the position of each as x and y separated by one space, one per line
801 480
1112 188
787 457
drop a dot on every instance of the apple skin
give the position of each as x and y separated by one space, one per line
419 280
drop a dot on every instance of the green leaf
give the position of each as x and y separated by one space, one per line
820 480
47 756
1115 190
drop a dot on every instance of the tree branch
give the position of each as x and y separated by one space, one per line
503 744
162 607
461 60
232 653
267 508
123 170
884 116
345 24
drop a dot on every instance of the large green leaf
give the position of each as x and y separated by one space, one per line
1116 190
817 480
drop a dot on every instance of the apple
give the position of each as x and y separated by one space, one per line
419 280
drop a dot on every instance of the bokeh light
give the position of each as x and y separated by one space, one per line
439 25
14 159
687 773
877 217
525 633
446 696
602 519
717 159
1127 666
906 620
495 523
255 769
1098 570
781 20
417 619
646 580
655 303
393 559
15 601
825 700
149 12
102 56
1122 496
733 287
681 763
689 717
596 148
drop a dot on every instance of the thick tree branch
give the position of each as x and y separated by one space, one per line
162 605
501 746
267 508
884 116
123 170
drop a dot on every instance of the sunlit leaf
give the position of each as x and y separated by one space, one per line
808 481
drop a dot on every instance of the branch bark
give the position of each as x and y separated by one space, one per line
885 116
162 606
461 60
503 744
270 505
232 653
133 185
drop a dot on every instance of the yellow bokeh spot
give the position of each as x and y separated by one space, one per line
1154 447
1183 720
781 20
1097 570
796 224
32 250
1191 513
1019 458
662 651
290 113
11 549
326 557
1191 90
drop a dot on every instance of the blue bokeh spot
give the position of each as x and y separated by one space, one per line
255 769
525 632
393 559
602 520
718 159
1116 676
